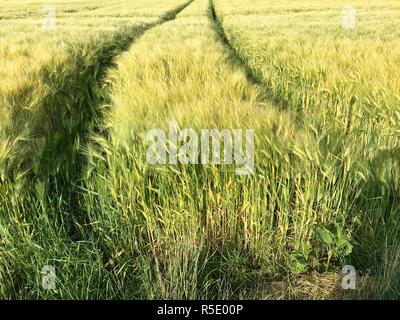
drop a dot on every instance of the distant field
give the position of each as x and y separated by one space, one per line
300 50
77 189
28 48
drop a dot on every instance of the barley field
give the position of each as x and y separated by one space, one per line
86 86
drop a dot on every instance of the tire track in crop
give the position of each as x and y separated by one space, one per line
45 178
252 77
64 119
372 186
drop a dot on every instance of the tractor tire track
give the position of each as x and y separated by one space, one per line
253 77
65 118
52 167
